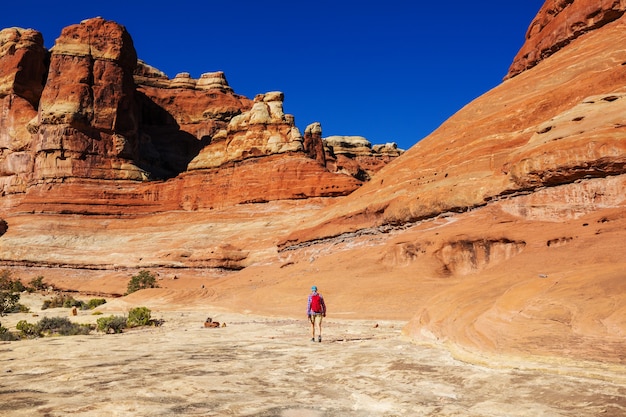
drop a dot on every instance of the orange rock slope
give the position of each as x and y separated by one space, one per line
512 212
501 235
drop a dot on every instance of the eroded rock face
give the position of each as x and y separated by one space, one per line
558 23
263 130
22 64
569 129
88 110
356 156
87 122
181 116
313 143
22 72
516 203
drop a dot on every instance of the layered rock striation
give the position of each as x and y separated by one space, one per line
558 23
88 110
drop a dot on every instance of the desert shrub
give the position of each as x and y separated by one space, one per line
138 316
27 330
56 301
111 324
72 302
10 284
6 335
96 313
61 326
95 302
144 279
63 300
9 292
37 284
8 302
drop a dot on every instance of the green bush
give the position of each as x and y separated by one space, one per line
37 284
8 283
9 293
63 300
61 326
111 324
6 335
144 279
8 302
27 330
138 316
71 302
49 326
95 302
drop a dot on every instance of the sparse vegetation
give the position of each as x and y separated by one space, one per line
10 284
111 324
6 335
68 301
61 326
144 279
95 302
60 300
37 284
51 326
9 293
27 330
138 316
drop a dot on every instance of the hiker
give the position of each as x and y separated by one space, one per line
315 310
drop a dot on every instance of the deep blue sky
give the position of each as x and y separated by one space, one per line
391 71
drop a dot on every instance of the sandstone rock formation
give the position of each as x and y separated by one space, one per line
22 73
87 120
356 156
500 236
539 165
110 130
558 23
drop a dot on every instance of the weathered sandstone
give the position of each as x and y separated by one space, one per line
499 236
87 120
558 23
22 73
91 111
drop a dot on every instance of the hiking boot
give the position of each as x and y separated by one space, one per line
319 339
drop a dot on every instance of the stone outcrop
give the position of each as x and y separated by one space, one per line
313 143
516 204
569 130
558 23
87 123
22 73
181 116
356 156
263 130
89 110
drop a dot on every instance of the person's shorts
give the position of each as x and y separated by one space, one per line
316 318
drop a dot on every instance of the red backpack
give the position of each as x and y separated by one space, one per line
316 303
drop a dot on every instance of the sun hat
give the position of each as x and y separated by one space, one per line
314 288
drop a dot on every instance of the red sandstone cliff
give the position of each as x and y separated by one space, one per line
92 122
558 23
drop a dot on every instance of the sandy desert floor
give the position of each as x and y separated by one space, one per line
267 366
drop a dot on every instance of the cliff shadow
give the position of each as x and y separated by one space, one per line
164 149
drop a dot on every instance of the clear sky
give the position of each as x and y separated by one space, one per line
391 71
